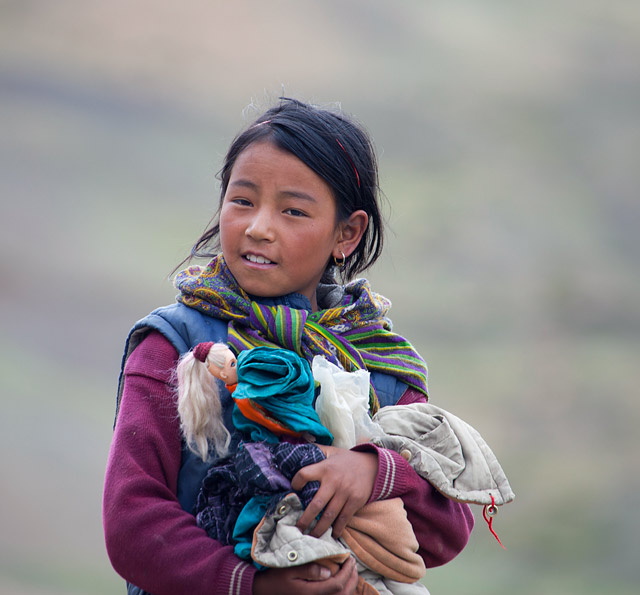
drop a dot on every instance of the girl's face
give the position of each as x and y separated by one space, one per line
278 225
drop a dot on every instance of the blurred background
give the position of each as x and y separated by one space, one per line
509 139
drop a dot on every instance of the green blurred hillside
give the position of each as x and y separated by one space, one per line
508 136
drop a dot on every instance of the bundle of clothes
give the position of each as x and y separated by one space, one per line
247 500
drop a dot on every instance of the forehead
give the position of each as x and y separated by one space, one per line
264 160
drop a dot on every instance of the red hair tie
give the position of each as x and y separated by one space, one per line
201 350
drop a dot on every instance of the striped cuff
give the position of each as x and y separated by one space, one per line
239 576
393 473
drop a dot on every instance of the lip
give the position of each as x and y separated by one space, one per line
246 260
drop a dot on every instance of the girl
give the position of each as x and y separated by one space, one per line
298 203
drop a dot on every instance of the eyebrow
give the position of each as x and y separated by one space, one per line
244 183
298 194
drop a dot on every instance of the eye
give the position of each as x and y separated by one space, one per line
295 212
243 202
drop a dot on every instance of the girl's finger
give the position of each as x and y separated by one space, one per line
313 509
313 572
349 509
305 475
341 522
331 512
347 577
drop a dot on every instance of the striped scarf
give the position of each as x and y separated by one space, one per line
355 334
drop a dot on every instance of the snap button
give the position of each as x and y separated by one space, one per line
406 454
282 509
292 556
491 510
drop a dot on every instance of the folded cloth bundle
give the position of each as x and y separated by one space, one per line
382 538
238 491
445 450
276 390
379 535
278 543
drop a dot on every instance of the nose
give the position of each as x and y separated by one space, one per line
261 225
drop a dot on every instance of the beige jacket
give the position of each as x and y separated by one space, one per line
446 451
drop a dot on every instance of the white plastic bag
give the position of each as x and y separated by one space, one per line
343 403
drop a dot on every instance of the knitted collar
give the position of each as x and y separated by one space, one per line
354 333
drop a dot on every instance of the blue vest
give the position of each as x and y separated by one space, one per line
184 328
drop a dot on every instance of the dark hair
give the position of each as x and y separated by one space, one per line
335 148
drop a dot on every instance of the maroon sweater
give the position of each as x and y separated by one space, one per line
153 543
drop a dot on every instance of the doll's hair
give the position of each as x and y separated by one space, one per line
199 406
336 149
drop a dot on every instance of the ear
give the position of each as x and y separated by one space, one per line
350 233
215 371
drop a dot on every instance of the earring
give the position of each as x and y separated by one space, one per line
340 263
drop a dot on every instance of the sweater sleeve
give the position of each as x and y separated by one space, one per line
442 526
151 541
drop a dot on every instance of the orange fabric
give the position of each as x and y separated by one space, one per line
251 410
382 538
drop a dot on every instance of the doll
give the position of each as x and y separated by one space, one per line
198 397
273 390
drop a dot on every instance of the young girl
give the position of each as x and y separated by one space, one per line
298 204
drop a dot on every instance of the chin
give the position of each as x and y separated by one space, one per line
262 291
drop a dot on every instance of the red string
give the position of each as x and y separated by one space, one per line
350 161
489 520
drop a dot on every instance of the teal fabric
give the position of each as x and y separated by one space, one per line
280 381
247 521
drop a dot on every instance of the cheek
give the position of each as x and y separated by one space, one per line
229 228
313 257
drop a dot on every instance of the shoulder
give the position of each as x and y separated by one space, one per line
154 356
182 326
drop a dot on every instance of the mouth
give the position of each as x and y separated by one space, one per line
257 259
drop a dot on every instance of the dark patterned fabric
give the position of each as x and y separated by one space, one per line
251 483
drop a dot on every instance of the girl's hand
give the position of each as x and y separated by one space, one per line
310 579
346 481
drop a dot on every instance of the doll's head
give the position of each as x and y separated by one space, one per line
199 405
219 360
338 151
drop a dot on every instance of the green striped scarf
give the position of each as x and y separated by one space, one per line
354 334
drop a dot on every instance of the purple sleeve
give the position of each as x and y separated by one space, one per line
151 541
442 526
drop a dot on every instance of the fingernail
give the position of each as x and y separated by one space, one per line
325 573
